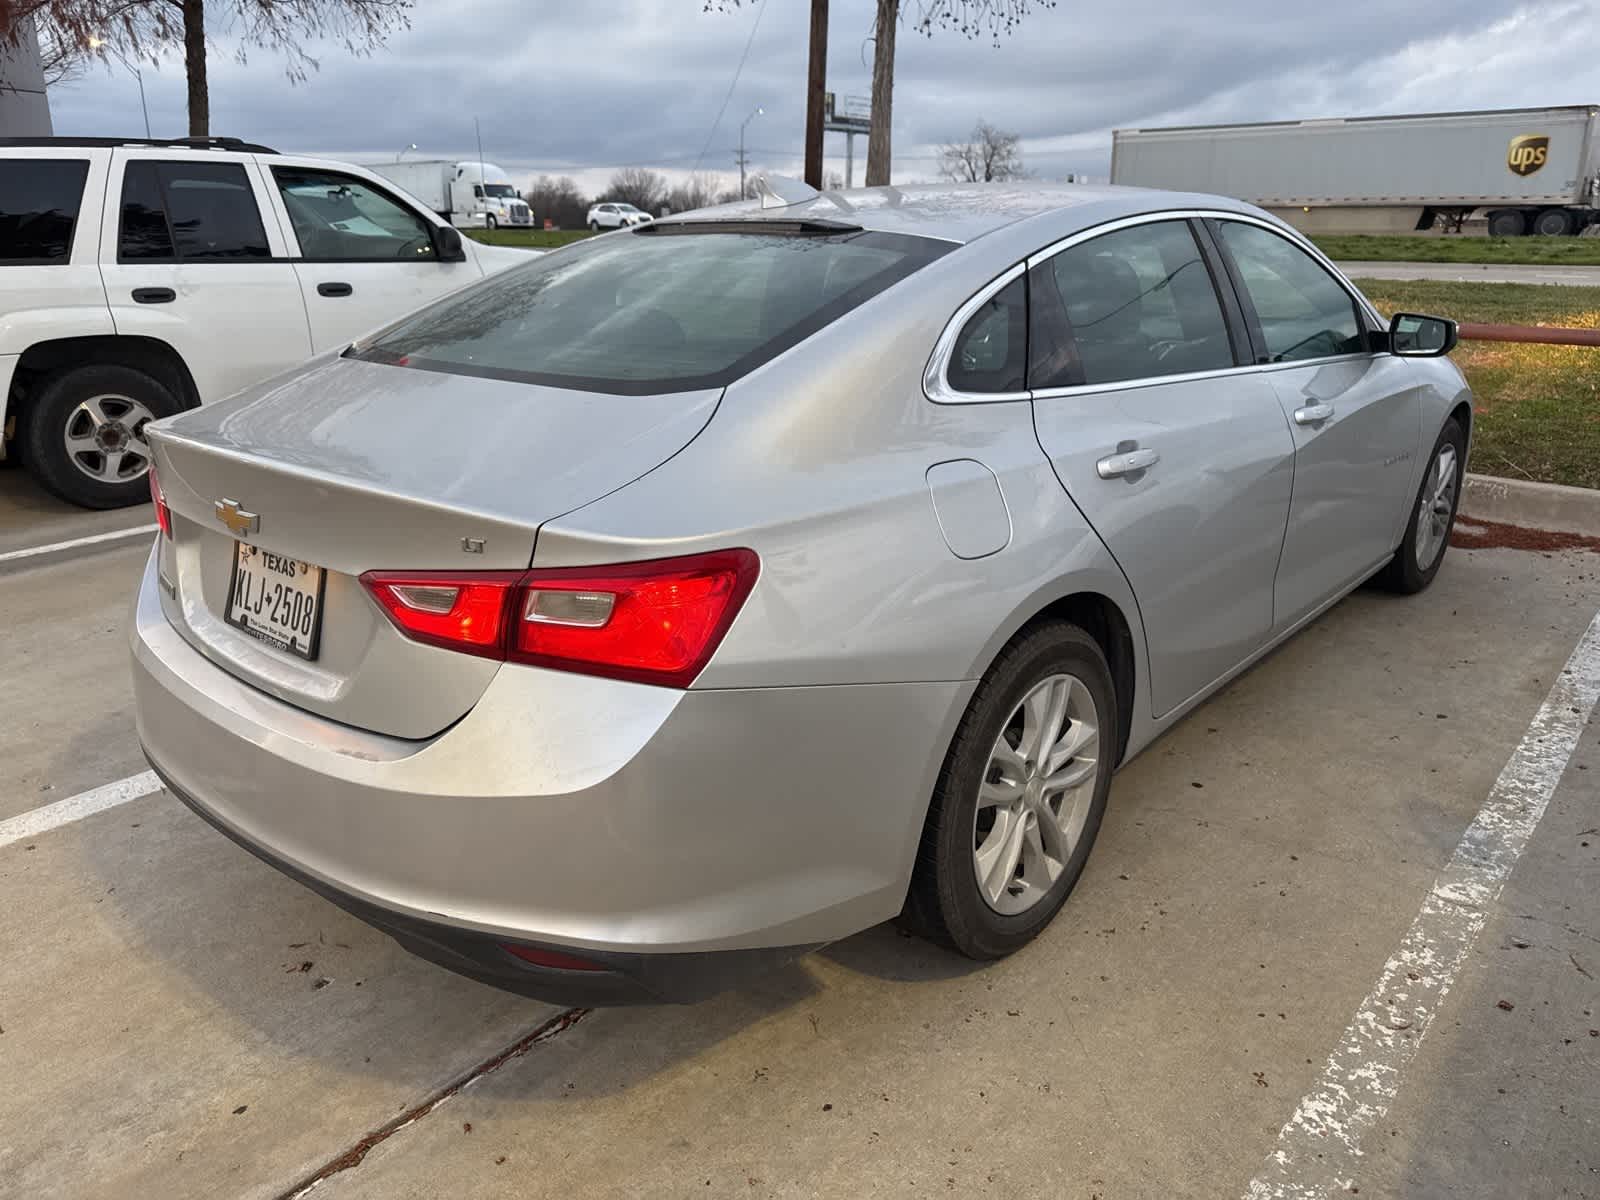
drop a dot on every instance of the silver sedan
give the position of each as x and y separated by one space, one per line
700 594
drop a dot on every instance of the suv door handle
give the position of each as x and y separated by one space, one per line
1312 414
1114 466
154 295
334 289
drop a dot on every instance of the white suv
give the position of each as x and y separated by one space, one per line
139 278
616 216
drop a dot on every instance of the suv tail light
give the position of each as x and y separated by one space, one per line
163 513
651 622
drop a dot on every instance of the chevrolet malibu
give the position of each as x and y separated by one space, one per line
687 599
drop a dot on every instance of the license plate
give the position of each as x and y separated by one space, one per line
275 599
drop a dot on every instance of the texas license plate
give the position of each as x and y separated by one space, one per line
275 599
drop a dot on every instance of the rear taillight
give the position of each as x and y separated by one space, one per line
163 513
651 622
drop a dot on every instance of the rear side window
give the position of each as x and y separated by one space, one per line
671 310
1134 304
1303 312
190 211
39 200
991 352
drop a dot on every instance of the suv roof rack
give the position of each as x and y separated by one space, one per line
187 143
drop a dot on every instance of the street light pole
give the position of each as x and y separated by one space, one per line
746 121
95 44
405 152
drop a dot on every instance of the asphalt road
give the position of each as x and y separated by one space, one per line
1286 897
1475 273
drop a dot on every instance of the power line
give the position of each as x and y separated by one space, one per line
732 83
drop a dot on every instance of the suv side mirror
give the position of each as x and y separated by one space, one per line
1412 335
447 245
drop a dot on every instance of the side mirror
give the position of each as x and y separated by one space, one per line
1412 335
447 245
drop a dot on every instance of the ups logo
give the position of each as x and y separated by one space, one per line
1528 153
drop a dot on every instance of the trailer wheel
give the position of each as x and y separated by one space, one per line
1508 222
1553 222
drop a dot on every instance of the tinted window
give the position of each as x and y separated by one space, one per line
342 217
1135 304
991 352
662 311
38 208
192 211
1303 312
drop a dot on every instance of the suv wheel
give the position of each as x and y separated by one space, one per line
1021 795
83 435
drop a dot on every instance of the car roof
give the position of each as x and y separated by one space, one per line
963 212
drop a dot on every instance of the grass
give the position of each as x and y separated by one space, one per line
1534 251
1537 412
527 239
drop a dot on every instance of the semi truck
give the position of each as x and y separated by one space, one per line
1520 170
470 195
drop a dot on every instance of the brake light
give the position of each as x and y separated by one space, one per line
651 622
552 958
462 611
157 498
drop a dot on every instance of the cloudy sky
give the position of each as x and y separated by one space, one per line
581 87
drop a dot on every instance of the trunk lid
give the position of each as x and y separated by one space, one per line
355 466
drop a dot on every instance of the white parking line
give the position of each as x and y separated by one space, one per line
75 808
1319 1150
93 539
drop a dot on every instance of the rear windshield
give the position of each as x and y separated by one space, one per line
654 312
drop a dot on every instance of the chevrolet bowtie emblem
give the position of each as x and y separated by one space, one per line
238 520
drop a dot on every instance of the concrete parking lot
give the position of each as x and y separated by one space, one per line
1290 891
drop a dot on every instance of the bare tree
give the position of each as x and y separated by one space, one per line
143 29
639 186
969 18
557 200
988 155
697 191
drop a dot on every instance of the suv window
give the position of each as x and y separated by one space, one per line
345 219
189 211
671 310
991 351
1134 304
1303 311
39 200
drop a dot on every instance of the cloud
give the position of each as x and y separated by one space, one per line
581 89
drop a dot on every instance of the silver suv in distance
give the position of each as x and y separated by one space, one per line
692 597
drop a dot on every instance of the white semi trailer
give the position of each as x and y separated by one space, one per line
1523 170
470 195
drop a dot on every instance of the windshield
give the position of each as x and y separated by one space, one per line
503 190
653 312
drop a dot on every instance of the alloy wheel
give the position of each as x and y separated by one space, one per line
1435 507
1036 793
104 437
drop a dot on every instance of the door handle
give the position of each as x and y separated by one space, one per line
154 295
1313 414
1114 466
334 289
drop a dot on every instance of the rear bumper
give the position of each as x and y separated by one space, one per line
677 838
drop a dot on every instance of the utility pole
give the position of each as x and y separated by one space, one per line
816 84
741 157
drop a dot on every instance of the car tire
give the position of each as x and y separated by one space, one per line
1433 516
594 226
951 900
1507 223
102 410
490 223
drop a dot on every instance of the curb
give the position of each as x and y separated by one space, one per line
1531 505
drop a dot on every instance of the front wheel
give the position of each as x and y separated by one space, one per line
594 226
490 223
83 436
1021 795
1433 516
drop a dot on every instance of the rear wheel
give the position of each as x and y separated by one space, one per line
1020 798
1507 223
1553 222
83 436
1433 516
